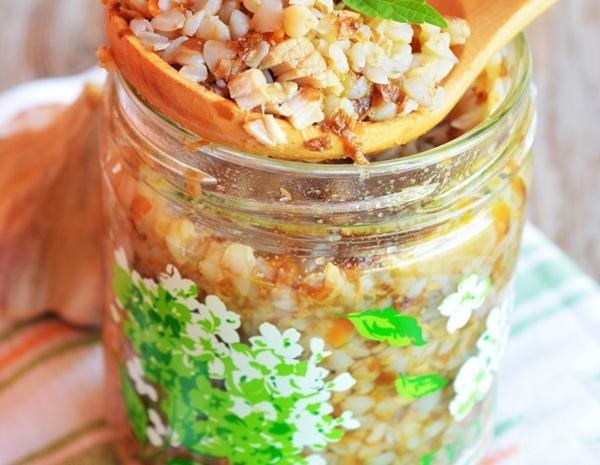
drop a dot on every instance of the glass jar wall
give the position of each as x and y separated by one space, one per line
276 313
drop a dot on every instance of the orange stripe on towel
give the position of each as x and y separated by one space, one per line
503 454
36 338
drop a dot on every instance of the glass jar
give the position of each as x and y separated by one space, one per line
275 313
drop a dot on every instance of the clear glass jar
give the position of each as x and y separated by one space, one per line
276 313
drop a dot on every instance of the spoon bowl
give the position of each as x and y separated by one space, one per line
493 24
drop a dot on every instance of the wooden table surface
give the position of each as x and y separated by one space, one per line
55 37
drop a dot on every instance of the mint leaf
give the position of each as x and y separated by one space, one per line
388 326
403 11
415 387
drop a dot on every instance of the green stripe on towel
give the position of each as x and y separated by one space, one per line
62 442
99 455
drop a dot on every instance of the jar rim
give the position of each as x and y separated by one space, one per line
419 160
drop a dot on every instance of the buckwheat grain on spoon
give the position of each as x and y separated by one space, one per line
314 80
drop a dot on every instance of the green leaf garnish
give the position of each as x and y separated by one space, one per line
403 11
388 326
415 387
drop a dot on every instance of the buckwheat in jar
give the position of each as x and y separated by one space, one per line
265 312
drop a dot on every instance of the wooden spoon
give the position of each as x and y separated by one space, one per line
493 24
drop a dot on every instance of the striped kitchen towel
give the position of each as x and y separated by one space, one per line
51 375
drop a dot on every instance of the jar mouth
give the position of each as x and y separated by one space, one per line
238 193
475 136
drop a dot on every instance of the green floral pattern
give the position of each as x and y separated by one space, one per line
397 330
459 306
475 378
415 387
136 410
264 402
388 326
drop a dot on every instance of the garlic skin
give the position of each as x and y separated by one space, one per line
50 218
